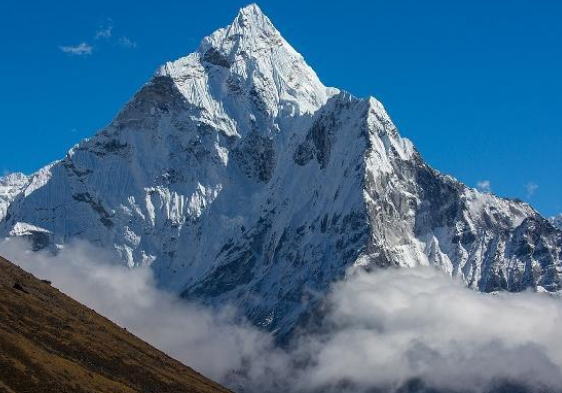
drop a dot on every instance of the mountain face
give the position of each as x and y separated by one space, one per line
240 178
51 343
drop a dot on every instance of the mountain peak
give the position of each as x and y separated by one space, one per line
248 58
251 32
251 14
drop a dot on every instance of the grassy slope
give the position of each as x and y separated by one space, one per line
51 343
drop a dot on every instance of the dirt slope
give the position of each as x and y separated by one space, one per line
51 343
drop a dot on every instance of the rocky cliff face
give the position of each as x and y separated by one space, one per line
240 178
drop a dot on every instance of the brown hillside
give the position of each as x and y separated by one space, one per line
51 343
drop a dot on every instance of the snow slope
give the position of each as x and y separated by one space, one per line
239 177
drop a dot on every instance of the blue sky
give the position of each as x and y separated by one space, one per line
476 85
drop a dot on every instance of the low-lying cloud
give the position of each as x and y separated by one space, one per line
213 342
382 329
397 325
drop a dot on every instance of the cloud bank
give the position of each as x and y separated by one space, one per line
398 325
383 329
214 342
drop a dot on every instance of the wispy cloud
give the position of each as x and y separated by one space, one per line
484 185
82 49
105 29
531 188
126 42
104 32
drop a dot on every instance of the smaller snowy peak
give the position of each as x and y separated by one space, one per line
10 186
13 179
485 207
39 178
556 221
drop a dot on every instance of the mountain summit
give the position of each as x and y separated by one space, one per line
239 177
246 73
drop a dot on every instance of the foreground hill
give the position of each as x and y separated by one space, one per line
51 343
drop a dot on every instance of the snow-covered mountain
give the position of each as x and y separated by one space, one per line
239 177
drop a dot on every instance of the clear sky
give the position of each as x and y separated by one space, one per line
477 85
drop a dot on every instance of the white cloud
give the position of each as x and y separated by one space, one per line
126 42
380 330
211 341
484 185
400 324
531 188
81 49
105 30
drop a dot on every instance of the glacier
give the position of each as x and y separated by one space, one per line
240 178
